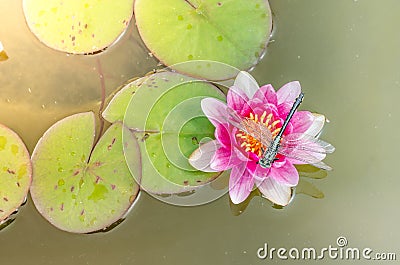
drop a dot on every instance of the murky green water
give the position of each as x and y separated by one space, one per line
345 54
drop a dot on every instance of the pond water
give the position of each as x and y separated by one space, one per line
345 54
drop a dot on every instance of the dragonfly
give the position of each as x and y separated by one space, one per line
299 146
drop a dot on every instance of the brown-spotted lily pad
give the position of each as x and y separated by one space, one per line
15 172
77 189
76 26
163 110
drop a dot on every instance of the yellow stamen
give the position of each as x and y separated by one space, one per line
269 117
266 122
276 131
275 123
263 116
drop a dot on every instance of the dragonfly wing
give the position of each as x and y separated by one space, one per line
235 120
254 129
258 131
306 143
306 157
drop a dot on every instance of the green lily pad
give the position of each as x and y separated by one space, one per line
115 111
77 26
165 114
230 32
76 190
15 172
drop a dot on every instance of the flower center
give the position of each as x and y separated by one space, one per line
254 124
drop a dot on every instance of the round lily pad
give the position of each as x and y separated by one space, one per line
164 112
15 172
115 110
76 26
230 32
77 189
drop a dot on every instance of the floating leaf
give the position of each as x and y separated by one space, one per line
166 115
230 32
115 110
309 189
77 26
15 172
76 190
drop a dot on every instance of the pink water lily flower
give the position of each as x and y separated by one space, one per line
239 151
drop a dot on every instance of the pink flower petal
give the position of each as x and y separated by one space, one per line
201 158
215 110
223 135
241 154
241 184
253 167
258 107
284 108
237 100
285 174
288 92
266 94
224 159
246 83
301 121
274 191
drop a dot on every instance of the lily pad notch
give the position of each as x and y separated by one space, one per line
230 32
163 110
77 188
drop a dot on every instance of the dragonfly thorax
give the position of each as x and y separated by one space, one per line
269 156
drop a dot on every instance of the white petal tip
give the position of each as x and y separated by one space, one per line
236 200
201 158
245 82
275 192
